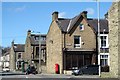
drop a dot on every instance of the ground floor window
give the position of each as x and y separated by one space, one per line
73 61
19 65
104 62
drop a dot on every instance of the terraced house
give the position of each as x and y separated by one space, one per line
33 43
72 43
16 56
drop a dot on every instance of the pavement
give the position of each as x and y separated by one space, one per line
3 73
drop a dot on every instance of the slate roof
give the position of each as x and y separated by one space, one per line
19 47
103 24
36 42
63 23
6 51
67 24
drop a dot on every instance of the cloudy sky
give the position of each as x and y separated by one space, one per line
18 17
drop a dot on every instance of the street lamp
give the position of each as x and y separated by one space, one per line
98 35
39 69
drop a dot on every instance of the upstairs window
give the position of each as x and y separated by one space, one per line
36 37
43 38
81 27
77 41
37 50
19 55
104 41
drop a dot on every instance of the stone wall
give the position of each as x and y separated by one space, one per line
12 59
28 50
88 37
114 37
54 48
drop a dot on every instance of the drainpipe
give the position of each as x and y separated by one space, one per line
63 58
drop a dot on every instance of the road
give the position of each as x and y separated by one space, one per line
52 77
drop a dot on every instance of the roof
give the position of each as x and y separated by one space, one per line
67 24
19 47
36 42
103 24
63 23
6 51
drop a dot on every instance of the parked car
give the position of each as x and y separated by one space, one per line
6 69
88 69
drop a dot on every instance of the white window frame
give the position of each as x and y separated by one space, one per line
76 45
81 25
107 44
17 64
108 57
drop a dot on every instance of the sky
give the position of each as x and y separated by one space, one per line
19 17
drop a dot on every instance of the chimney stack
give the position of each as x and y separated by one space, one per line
85 13
55 16
106 16
13 43
28 32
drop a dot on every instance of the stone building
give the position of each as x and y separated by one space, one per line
114 38
72 43
32 45
4 59
16 56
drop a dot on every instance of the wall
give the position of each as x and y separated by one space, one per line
12 59
54 48
87 36
114 38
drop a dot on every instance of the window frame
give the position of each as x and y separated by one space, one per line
83 27
18 65
108 58
107 44
79 41
20 55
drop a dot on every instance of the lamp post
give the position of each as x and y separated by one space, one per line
98 35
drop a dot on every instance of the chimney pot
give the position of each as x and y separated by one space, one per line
28 32
85 13
55 16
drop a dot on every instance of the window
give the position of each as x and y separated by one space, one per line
77 41
43 38
19 55
104 59
19 64
104 41
37 51
36 37
77 61
81 27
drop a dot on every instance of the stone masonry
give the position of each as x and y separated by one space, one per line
57 40
114 38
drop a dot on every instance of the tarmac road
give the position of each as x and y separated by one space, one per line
53 77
